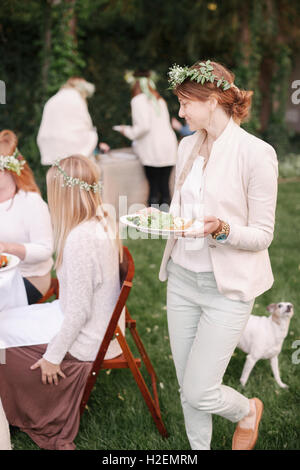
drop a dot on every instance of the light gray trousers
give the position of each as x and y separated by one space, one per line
204 329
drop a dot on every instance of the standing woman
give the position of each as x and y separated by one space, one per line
25 227
229 177
155 141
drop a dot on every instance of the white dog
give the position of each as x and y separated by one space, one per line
263 337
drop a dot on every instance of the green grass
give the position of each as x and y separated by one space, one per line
117 417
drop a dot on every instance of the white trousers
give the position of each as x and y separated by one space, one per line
204 329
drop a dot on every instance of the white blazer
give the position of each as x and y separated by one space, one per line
241 189
155 141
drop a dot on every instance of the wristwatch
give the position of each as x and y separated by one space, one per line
222 232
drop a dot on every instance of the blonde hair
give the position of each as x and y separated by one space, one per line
69 205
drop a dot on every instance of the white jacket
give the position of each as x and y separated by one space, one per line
155 141
241 189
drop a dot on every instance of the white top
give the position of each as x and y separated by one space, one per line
12 289
89 287
66 127
25 219
155 141
193 253
4 431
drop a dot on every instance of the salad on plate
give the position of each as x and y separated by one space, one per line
155 220
3 261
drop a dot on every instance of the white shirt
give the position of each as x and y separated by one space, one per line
25 219
193 253
155 141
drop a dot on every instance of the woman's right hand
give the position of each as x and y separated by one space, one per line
50 371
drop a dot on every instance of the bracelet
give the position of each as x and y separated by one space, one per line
222 231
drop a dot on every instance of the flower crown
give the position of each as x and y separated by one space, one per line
69 181
14 162
178 74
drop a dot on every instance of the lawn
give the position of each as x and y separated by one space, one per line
117 417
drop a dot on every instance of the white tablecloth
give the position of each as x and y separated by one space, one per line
12 294
12 289
125 185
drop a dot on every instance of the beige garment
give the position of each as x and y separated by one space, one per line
49 414
241 189
4 430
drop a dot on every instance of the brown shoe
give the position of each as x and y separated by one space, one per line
245 439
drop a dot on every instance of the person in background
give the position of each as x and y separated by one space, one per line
55 343
153 138
66 127
25 228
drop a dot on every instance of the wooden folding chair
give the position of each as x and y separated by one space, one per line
126 359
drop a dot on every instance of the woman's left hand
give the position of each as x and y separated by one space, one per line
211 223
50 371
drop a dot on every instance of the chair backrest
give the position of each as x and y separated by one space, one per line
126 276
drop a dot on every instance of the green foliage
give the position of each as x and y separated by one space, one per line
44 42
64 59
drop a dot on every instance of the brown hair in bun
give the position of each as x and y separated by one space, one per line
235 102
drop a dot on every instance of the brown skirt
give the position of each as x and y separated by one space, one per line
49 414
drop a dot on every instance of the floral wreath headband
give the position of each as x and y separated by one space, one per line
69 181
178 74
144 81
14 162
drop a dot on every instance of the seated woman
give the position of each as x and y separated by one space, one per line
55 342
25 228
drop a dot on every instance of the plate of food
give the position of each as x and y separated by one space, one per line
157 222
8 262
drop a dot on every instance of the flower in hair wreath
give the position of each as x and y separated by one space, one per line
70 181
177 74
130 78
14 162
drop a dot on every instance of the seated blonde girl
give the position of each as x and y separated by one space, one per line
59 340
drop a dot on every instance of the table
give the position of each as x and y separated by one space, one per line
12 289
125 186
